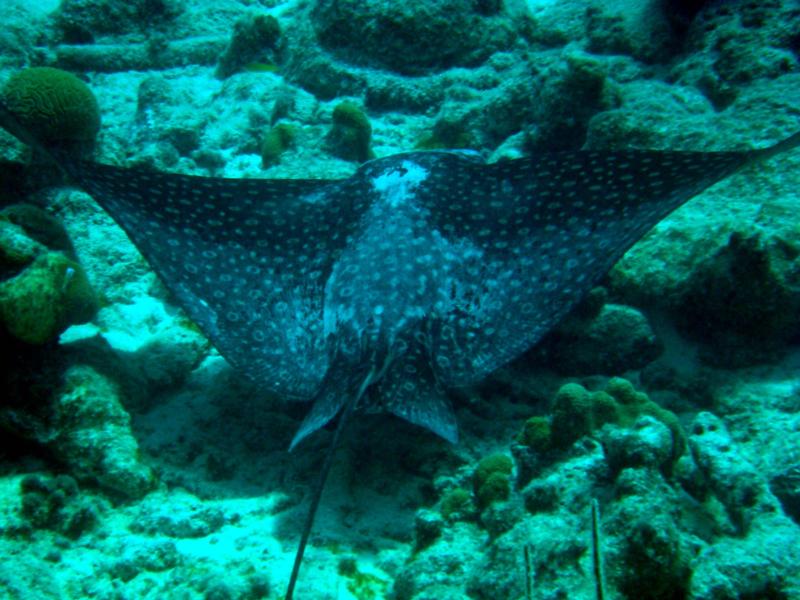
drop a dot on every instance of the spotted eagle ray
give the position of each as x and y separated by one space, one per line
422 271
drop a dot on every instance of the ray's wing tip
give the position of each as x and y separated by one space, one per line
447 429
305 430
789 143
451 435
299 436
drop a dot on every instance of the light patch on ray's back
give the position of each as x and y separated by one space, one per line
397 183
315 197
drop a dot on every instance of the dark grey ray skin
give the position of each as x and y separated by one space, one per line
428 269
420 272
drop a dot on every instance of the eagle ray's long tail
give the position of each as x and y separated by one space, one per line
321 479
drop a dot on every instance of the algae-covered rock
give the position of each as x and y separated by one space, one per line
571 414
760 560
638 28
454 502
80 22
786 487
150 556
744 299
653 556
491 479
574 90
44 299
40 226
410 37
761 565
254 39
350 134
733 479
540 496
734 45
275 142
646 443
578 412
56 503
43 289
180 515
25 575
93 435
617 339
536 433
16 248
428 527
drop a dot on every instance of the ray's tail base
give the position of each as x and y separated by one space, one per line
316 497
344 418
791 142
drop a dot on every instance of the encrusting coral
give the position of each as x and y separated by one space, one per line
43 289
351 133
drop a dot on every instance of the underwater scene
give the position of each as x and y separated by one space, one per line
420 300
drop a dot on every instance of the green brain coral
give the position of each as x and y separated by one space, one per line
54 105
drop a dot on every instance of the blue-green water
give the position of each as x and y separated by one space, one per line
137 463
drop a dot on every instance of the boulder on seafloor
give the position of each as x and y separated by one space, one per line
56 504
759 557
616 339
69 407
93 434
744 300
82 22
410 37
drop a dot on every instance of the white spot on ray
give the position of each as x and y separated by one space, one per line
397 184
